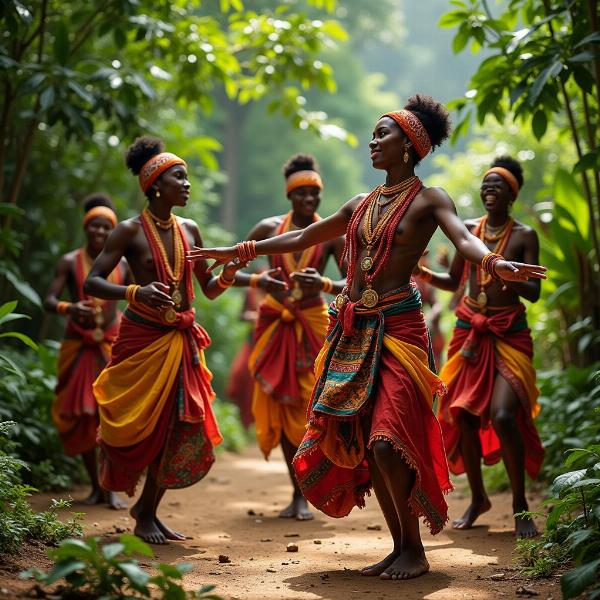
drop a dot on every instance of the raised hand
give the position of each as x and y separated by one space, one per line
221 255
155 295
269 283
515 271
309 280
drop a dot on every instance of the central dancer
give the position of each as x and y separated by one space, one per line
371 422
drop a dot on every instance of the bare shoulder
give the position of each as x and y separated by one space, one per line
68 258
128 226
266 227
352 204
188 223
471 224
436 197
525 231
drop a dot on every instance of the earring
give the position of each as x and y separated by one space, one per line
406 157
157 195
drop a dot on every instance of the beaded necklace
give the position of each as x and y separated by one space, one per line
379 239
501 237
174 275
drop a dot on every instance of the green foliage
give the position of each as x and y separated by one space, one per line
94 571
570 416
18 521
26 396
572 529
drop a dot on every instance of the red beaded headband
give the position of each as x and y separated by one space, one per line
413 128
300 178
157 165
513 184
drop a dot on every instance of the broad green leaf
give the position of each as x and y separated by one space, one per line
61 43
110 551
538 85
132 544
62 569
22 287
566 480
574 582
20 336
138 577
539 124
567 194
7 308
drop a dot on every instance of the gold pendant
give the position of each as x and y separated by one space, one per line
370 298
366 264
297 293
482 299
177 297
170 315
97 334
99 317
340 300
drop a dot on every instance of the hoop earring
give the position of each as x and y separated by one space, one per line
406 157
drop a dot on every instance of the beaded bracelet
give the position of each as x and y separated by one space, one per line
488 264
254 279
62 308
246 251
223 282
131 292
327 285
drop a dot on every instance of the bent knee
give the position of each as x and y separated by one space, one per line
383 452
504 422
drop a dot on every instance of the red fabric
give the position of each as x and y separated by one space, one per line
241 384
282 354
400 415
121 467
472 388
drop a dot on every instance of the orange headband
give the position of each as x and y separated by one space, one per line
507 176
100 211
157 165
413 128
300 178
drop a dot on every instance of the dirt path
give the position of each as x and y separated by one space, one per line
234 512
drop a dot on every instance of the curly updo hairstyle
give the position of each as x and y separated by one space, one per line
141 151
434 117
510 164
300 162
97 199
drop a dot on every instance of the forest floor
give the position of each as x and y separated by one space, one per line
233 512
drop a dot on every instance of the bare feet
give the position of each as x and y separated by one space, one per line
476 508
170 534
147 529
525 527
410 564
380 567
96 497
114 501
297 509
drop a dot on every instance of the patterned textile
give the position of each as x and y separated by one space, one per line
374 384
483 347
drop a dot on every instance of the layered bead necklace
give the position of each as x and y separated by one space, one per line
378 240
173 275
500 235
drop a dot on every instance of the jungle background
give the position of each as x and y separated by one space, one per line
236 87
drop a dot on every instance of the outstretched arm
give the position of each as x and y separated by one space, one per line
293 241
445 281
471 247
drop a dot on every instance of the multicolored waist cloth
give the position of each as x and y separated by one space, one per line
374 384
80 360
287 339
482 347
154 400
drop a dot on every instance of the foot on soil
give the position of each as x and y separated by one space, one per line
380 567
410 564
147 529
114 501
170 534
525 527
297 509
96 497
474 510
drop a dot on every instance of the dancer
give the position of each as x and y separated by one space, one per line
371 421
155 395
90 330
492 397
292 323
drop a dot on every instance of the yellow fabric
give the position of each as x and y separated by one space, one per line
521 366
517 362
415 361
131 397
272 417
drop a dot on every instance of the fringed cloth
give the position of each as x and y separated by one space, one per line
482 347
80 360
74 410
154 399
287 340
374 383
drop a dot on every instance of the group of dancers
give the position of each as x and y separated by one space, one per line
348 389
